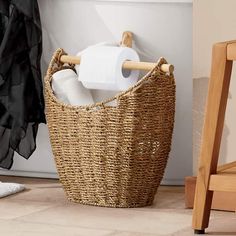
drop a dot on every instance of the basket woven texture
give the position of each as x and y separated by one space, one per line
113 155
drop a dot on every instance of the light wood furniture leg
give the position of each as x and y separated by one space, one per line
212 132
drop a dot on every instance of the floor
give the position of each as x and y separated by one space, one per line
43 210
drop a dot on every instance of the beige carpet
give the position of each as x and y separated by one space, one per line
44 210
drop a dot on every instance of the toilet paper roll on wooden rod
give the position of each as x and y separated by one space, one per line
131 65
126 41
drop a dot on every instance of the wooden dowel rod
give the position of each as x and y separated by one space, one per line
132 65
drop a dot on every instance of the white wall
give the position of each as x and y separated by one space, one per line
214 21
160 29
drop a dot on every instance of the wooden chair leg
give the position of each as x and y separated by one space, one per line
212 132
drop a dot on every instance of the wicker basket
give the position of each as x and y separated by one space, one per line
113 155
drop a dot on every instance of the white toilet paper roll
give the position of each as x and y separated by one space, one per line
106 43
101 68
58 80
68 89
76 93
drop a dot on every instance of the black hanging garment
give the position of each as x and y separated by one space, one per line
21 90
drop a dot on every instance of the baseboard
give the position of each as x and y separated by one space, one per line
29 174
174 182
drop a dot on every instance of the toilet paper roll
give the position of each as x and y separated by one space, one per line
68 89
76 93
58 80
101 68
106 43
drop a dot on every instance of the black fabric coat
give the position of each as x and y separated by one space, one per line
21 90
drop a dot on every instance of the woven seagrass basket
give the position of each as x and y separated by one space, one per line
113 155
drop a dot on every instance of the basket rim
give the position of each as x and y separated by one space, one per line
50 72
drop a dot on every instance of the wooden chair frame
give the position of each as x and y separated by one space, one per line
210 178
